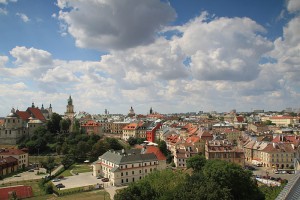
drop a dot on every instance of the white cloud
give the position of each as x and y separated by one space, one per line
3 60
6 1
114 24
293 5
23 17
154 74
232 55
3 11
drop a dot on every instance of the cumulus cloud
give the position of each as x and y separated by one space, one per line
114 24
293 5
232 55
3 61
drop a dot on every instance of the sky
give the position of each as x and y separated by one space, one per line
171 55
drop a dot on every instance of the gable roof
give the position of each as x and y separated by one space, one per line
23 115
156 151
36 112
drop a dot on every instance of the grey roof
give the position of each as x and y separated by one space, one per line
128 156
292 190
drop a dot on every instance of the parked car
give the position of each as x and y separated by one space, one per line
98 177
105 180
17 175
60 185
61 177
31 170
56 180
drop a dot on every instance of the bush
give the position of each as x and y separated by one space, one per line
49 188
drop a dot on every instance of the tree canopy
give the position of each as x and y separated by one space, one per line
216 179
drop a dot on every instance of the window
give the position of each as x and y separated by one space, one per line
121 173
126 173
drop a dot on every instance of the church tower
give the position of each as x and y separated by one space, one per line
70 109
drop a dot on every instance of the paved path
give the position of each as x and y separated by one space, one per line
112 190
25 176
57 169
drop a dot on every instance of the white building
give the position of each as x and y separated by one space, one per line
126 166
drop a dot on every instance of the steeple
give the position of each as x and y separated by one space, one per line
151 111
32 105
70 101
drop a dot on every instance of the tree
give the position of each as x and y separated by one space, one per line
67 161
196 162
49 164
162 145
157 185
114 144
53 124
65 124
132 141
233 177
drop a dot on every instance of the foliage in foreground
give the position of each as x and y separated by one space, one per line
216 179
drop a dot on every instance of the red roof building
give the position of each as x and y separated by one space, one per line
21 192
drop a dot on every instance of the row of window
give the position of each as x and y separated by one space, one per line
140 171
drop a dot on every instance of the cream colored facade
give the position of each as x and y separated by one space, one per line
124 167
22 156
284 120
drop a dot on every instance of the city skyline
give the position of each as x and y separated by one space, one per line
173 56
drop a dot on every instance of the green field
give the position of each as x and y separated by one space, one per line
77 168
39 159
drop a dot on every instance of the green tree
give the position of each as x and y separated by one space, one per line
49 164
196 162
53 124
67 161
65 124
234 177
114 144
132 141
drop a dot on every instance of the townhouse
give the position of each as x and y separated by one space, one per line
224 150
126 166
20 155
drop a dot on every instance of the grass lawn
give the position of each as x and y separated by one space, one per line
39 159
92 195
77 168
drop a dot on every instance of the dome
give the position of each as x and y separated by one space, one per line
12 113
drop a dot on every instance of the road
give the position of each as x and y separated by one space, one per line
26 176
261 171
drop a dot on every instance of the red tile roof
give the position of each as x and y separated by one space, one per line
21 191
37 113
23 115
240 118
287 138
1 122
156 151
131 126
11 152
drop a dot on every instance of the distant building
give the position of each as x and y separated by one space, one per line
224 150
20 155
127 166
70 114
20 123
8 165
91 127
131 112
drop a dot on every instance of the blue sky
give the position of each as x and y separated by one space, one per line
115 54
